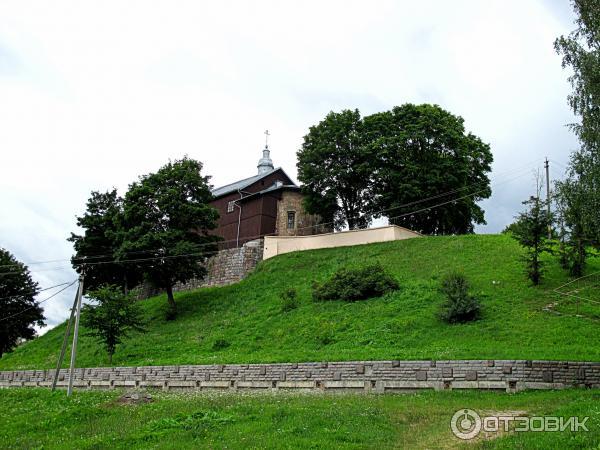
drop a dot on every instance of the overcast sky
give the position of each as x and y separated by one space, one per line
94 94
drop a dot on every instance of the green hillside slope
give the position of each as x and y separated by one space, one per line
244 322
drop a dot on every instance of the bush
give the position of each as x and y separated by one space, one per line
289 300
460 306
220 344
351 284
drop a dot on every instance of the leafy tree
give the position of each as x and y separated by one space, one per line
113 318
335 169
422 151
353 168
531 231
19 311
100 242
571 214
167 216
580 194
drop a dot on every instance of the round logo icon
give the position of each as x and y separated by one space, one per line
465 424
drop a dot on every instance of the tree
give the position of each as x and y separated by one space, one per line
19 311
531 231
100 242
335 169
113 318
579 196
421 152
574 242
167 218
387 163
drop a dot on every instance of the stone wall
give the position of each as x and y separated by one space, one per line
306 224
359 376
226 267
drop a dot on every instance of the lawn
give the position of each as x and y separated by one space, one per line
39 418
244 323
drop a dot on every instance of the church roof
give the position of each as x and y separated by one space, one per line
242 184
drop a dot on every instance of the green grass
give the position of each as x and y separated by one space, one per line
247 324
37 418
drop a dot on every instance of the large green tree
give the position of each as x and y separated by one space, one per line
167 220
19 311
386 164
579 195
423 151
100 242
335 169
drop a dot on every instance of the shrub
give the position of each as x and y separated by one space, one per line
289 300
220 344
351 284
460 306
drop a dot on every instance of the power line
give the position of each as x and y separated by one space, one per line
33 292
378 213
38 303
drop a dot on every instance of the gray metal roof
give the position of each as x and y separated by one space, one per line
233 187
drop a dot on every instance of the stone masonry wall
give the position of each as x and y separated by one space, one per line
306 224
359 376
226 267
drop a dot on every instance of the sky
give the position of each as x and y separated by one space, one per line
94 94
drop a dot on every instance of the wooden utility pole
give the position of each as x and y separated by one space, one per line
547 167
75 335
66 339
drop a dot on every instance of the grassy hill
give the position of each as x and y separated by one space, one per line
243 323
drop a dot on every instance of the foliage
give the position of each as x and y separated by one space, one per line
289 300
581 52
531 231
19 310
351 284
102 224
403 324
354 168
220 344
423 152
113 318
334 167
460 306
579 196
167 220
573 239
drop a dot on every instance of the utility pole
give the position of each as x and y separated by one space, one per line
75 334
547 167
66 338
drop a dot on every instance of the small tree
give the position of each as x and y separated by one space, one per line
460 306
18 309
531 231
113 317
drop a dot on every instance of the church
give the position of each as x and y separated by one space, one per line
268 203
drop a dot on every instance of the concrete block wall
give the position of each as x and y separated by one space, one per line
359 376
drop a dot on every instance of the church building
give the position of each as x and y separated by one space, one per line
266 204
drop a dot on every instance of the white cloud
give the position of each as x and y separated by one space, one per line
93 94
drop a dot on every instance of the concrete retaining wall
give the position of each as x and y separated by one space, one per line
276 245
360 376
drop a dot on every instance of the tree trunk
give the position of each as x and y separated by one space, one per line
172 306
110 359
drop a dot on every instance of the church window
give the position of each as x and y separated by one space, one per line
291 220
